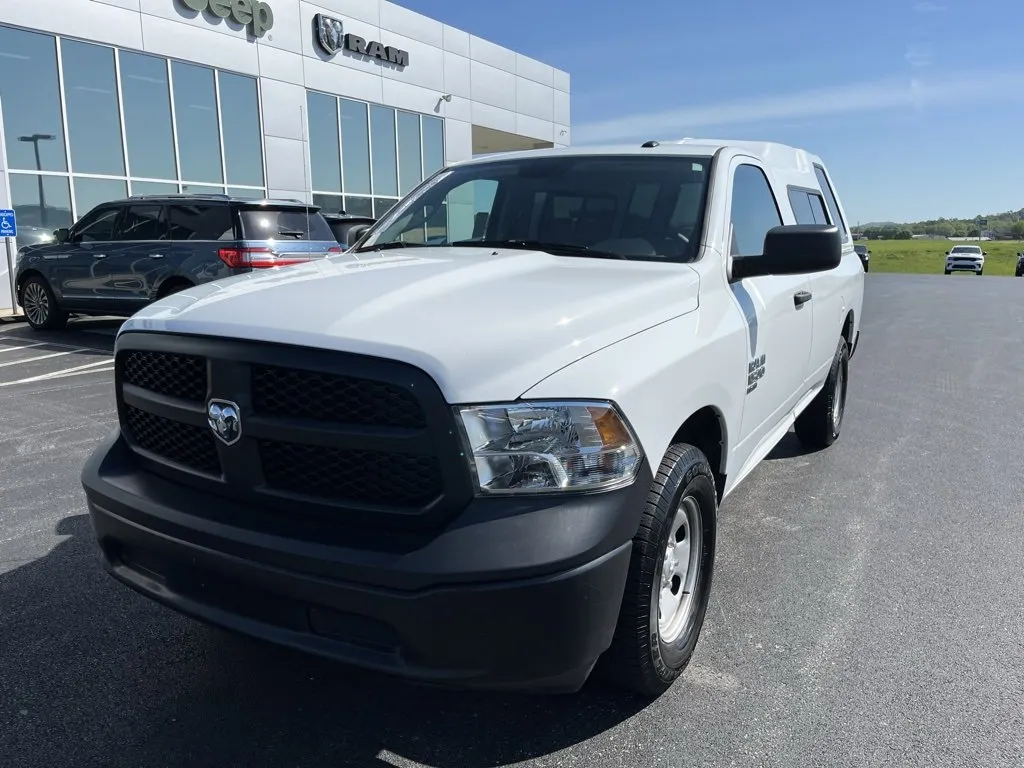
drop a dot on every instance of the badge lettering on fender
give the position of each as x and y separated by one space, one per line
755 372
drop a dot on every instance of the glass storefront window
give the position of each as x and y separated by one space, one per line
195 112
31 100
355 147
324 149
433 145
247 194
93 112
410 157
147 116
328 203
240 120
359 206
41 201
383 154
382 205
154 188
202 189
91 192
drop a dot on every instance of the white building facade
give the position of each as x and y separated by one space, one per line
345 103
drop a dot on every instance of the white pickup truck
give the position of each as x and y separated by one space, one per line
486 446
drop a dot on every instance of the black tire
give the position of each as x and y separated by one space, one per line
640 659
40 305
947 271
821 421
980 272
172 286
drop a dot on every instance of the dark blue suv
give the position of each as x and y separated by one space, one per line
124 254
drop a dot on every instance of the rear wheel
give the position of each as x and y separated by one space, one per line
172 286
40 305
669 582
819 424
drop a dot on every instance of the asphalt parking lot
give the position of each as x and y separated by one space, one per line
866 608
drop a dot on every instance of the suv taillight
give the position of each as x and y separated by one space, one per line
260 258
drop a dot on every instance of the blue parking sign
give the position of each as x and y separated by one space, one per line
8 223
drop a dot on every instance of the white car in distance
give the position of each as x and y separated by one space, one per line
966 258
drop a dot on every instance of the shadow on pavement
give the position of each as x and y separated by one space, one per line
93 674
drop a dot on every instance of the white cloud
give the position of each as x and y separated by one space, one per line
871 96
918 56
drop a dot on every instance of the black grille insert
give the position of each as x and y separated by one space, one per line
181 443
340 474
295 393
182 376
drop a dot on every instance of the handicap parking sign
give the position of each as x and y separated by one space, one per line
8 223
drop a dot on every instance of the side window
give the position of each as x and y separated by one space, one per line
143 222
97 226
200 222
801 203
818 208
754 211
830 200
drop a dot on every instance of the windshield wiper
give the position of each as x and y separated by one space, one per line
389 246
555 249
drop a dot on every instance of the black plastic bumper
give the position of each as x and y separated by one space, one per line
513 594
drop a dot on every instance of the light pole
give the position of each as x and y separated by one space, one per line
35 138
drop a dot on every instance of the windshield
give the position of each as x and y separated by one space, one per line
631 207
966 249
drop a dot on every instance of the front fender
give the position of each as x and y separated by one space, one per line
660 377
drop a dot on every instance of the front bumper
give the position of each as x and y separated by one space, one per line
512 594
964 266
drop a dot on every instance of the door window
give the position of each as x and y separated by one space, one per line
754 211
809 207
190 221
97 226
143 222
830 199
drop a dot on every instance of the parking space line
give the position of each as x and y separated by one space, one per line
40 357
60 374
11 347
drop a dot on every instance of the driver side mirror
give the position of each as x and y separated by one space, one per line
355 233
793 249
61 235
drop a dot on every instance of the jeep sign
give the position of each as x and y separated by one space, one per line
251 13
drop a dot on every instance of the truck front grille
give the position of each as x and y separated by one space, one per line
345 436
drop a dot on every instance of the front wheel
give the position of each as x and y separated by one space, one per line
669 581
819 424
40 305
947 271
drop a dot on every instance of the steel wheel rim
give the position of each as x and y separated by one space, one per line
680 569
36 303
839 400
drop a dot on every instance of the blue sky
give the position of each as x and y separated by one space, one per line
917 106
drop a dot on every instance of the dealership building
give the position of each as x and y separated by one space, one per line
345 103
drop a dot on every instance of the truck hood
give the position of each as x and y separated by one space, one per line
486 323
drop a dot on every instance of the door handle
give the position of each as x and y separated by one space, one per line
801 297
99 255
156 255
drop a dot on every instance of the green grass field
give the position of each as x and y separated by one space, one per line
929 256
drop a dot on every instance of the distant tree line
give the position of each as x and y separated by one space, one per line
1009 225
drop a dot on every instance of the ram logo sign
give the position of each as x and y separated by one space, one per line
332 38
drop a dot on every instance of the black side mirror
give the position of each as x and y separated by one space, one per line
61 235
984 253
355 233
793 249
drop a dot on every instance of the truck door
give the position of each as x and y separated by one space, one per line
776 308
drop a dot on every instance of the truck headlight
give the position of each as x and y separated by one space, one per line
549 447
